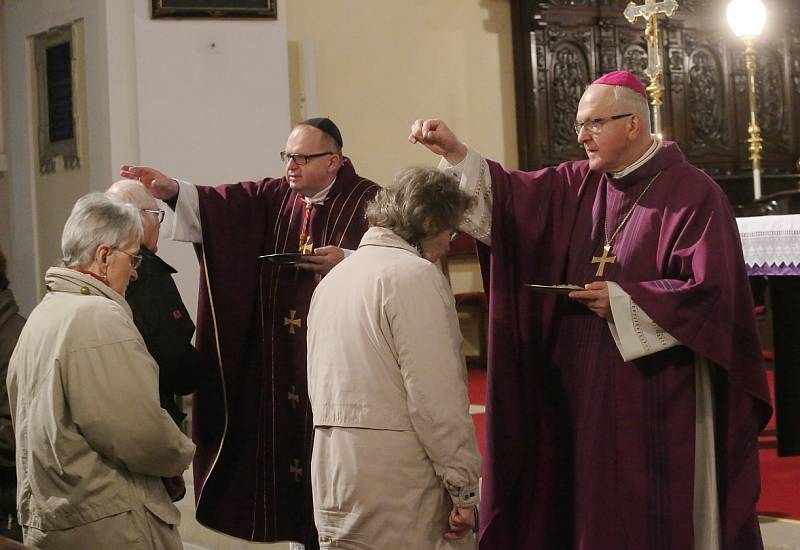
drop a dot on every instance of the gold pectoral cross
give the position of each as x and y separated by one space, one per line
606 258
291 321
306 246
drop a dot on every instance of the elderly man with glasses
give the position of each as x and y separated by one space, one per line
251 417
158 310
626 414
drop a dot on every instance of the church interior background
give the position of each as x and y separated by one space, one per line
211 100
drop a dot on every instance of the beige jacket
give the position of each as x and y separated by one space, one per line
92 439
384 353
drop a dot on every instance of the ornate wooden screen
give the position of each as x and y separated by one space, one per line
562 45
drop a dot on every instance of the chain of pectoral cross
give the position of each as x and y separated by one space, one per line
306 246
607 258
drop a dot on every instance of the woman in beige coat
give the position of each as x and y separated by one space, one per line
92 440
395 463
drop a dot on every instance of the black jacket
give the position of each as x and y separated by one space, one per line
167 329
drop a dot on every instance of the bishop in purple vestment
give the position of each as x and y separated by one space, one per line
626 415
251 419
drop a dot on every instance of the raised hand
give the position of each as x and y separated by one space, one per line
157 184
436 136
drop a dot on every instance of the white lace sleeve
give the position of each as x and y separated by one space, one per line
634 332
472 176
186 224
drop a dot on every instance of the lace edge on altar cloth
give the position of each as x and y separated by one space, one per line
771 243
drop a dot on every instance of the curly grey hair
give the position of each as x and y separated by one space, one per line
98 219
420 203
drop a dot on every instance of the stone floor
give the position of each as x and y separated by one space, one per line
197 537
779 534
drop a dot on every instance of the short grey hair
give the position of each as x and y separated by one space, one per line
98 219
420 203
631 101
132 192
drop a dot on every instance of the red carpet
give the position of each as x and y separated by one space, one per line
477 396
780 476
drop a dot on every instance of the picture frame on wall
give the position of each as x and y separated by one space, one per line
56 60
264 9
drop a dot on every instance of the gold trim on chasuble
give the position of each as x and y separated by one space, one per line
222 379
353 213
295 468
274 292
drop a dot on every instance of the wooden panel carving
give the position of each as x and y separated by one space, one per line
771 102
562 45
568 65
570 70
633 52
705 97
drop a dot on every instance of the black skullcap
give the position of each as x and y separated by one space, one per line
326 125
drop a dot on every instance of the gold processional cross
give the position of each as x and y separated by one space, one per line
654 70
291 321
606 258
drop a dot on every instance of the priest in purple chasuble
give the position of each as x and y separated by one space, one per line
625 415
251 418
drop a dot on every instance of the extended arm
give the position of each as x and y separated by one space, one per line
181 195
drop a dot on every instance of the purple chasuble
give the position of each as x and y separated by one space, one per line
585 450
252 418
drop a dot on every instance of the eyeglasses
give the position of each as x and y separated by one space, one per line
300 159
136 259
595 126
158 213
454 235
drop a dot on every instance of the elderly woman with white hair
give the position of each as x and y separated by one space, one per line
92 441
395 461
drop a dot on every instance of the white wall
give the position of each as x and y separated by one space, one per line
383 64
157 92
24 18
5 195
213 107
